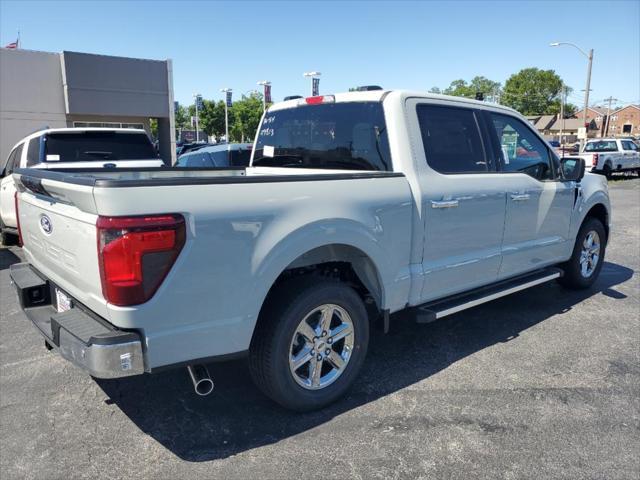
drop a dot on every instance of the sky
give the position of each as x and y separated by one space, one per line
409 45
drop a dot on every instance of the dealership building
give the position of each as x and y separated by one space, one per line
70 89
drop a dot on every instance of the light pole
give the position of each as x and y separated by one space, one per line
226 91
266 84
196 96
586 92
313 75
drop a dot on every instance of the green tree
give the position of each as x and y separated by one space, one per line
478 84
246 116
182 119
211 118
153 126
435 90
532 91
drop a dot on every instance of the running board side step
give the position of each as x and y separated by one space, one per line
432 311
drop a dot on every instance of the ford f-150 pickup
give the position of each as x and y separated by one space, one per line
355 206
609 155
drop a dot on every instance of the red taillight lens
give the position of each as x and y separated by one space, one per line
320 99
15 202
136 254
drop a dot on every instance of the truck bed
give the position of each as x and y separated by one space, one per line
244 227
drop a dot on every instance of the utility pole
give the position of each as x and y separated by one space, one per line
562 100
227 104
606 123
315 78
196 97
266 91
586 100
586 92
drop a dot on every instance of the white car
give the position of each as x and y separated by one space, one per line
609 155
77 148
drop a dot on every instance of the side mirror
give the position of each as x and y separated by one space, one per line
572 168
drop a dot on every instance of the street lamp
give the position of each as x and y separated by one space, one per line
196 97
586 92
226 91
313 75
265 84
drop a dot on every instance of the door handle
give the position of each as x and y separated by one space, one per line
520 197
444 203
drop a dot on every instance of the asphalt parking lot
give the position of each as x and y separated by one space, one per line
542 384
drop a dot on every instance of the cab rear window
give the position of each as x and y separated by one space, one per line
341 136
97 146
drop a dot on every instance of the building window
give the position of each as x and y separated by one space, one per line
139 126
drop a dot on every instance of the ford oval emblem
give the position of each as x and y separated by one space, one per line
46 225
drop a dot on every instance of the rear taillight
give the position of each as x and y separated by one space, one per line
136 254
594 161
15 202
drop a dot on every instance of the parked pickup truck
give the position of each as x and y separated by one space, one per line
71 148
355 206
609 155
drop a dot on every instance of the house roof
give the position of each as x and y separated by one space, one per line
626 106
569 124
598 110
544 122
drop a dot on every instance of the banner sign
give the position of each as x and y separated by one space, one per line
267 94
315 90
229 99
199 102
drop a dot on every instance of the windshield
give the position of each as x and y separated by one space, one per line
97 146
348 136
603 146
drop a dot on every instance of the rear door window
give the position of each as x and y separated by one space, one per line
33 152
346 135
97 146
601 146
11 159
451 139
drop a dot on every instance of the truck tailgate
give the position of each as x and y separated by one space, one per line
60 240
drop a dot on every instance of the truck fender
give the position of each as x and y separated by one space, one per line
277 253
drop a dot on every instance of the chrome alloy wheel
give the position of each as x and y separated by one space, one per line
321 347
590 254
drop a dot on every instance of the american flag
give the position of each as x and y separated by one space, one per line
12 45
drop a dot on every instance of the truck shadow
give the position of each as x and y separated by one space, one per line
237 417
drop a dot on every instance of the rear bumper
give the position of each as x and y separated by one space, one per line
79 335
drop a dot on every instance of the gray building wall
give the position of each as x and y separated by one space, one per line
31 95
39 89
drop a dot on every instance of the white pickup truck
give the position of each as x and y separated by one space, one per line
78 148
355 206
609 155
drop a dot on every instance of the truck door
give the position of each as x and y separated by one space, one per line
462 198
539 204
8 188
630 153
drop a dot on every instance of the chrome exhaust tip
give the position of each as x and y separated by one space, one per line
202 383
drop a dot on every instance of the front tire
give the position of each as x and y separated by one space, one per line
310 343
584 266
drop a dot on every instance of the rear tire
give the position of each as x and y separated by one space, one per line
584 266
606 170
281 342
